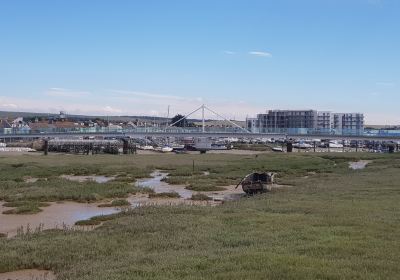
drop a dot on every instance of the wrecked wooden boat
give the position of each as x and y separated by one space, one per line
257 182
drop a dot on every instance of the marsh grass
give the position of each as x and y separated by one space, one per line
24 207
253 147
97 220
146 190
58 189
336 224
89 222
204 187
164 195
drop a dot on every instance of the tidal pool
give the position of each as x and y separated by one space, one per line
64 215
158 186
58 215
357 165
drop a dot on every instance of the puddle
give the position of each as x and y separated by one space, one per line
30 179
155 183
309 174
81 179
159 186
56 216
230 193
28 274
358 165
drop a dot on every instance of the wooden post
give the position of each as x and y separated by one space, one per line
289 147
125 146
315 144
193 166
46 146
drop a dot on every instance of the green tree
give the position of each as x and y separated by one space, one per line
181 123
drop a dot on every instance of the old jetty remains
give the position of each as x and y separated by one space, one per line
89 146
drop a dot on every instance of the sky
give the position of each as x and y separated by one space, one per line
239 57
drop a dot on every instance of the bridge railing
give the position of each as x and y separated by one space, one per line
188 130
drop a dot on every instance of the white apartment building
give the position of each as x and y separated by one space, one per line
348 121
325 120
322 121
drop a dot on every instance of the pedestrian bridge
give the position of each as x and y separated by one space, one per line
229 132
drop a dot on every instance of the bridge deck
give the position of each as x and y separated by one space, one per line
200 134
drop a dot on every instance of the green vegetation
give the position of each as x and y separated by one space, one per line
165 195
56 189
146 190
50 187
200 196
90 222
336 224
24 207
254 147
97 220
204 187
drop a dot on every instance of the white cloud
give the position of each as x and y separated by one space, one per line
109 109
9 106
124 102
62 92
229 52
154 113
153 104
386 118
260 53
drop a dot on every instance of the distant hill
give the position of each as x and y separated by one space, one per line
13 115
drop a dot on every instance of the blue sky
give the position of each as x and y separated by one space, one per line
238 57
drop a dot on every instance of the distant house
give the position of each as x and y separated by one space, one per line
18 122
114 127
19 126
55 126
5 127
37 127
68 125
129 125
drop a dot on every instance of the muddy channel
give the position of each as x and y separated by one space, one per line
64 215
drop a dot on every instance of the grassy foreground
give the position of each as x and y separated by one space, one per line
335 223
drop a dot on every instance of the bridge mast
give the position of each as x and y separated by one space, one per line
203 123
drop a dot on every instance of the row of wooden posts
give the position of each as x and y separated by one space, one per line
89 146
